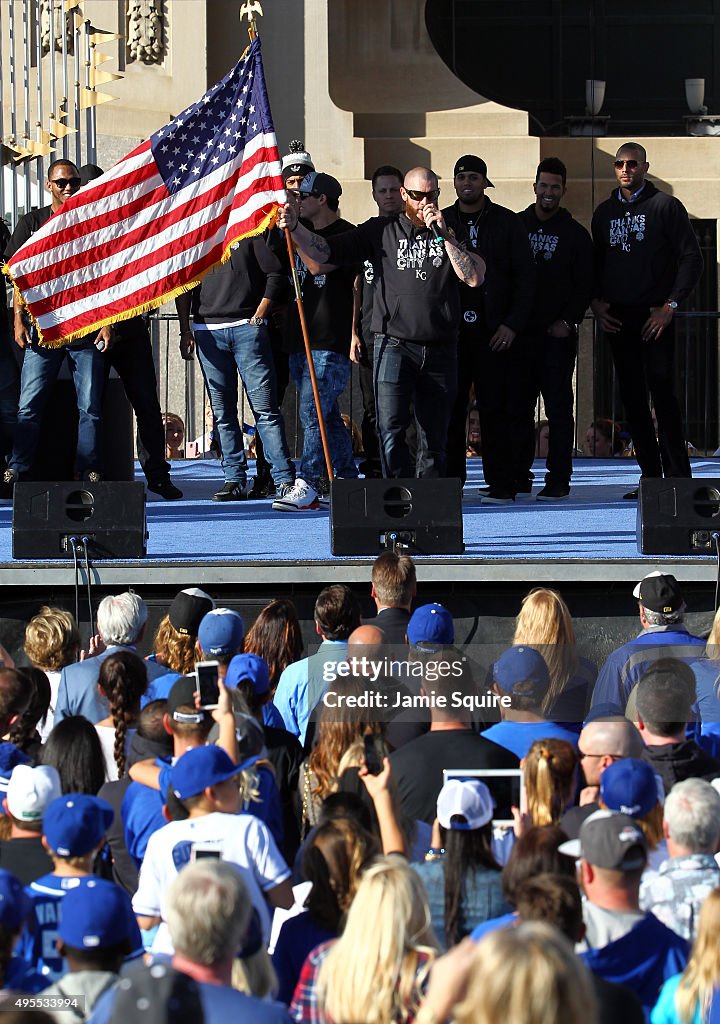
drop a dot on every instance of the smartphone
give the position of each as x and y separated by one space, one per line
374 753
207 687
200 851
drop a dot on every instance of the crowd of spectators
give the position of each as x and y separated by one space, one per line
350 833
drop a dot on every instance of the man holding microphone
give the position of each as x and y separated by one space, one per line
415 319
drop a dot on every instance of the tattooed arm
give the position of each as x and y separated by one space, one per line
468 266
314 250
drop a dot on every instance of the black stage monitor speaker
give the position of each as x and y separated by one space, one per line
111 515
421 517
678 516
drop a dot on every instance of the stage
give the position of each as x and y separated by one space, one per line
588 539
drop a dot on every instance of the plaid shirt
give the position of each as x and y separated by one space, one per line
305 1009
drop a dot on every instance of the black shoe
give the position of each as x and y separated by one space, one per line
231 490
482 491
630 496
166 489
496 496
523 492
553 492
263 487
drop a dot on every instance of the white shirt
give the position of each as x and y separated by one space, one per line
242 839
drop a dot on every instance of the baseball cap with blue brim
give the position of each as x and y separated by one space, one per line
202 767
631 787
431 626
609 840
251 668
96 915
76 823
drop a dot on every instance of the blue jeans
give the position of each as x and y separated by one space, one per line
39 371
224 353
333 374
408 374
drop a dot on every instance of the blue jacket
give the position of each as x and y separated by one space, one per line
302 685
643 959
626 666
78 686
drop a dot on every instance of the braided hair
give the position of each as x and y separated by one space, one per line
123 680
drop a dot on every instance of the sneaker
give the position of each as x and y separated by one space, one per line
497 497
524 492
297 497
166 489
231 490
553 492
631 496
482 491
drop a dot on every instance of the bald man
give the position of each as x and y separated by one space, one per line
416 316
601 743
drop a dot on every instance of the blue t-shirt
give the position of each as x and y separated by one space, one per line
298 936
518 737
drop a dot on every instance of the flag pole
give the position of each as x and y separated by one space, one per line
247 11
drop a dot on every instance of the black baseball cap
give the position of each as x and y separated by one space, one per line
472 163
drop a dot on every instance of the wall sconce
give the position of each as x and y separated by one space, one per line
594 96
695 95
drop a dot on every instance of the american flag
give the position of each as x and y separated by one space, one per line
161 218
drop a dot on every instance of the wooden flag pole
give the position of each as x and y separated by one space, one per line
248 10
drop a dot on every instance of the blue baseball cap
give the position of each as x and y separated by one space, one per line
522 670
221 632
15 905
629 786
75 823
431 624
249 667
96 915
201 767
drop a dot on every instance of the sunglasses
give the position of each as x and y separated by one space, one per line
632 165
65 182
419 196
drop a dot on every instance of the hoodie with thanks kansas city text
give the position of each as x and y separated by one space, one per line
563 254
646 251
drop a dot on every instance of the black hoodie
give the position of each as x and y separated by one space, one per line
563 254
646 252
675 762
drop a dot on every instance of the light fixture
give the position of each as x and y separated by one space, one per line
695 95
594 95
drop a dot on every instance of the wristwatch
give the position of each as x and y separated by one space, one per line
256 321
671 305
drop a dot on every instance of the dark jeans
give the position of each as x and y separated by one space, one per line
493 375
282 379
371 465
39 372
411 374
642 367
545 367
132 358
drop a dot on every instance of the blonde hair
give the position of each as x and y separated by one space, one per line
174 650
700 977
255 975
52 639
549 770
375 971
651 824
712 649
544 622
527 975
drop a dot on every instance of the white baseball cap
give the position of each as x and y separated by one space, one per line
30 790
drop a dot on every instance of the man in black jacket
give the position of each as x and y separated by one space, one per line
563 255
647 260
229 326
415 316
492 316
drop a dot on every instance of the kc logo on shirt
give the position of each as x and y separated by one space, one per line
623 228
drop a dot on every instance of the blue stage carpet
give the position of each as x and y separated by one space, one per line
594 523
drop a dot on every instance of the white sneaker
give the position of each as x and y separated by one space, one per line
297 497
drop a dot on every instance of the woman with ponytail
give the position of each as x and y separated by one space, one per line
123 680
550 775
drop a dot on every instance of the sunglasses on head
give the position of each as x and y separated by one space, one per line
632 165
419 196
64 182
